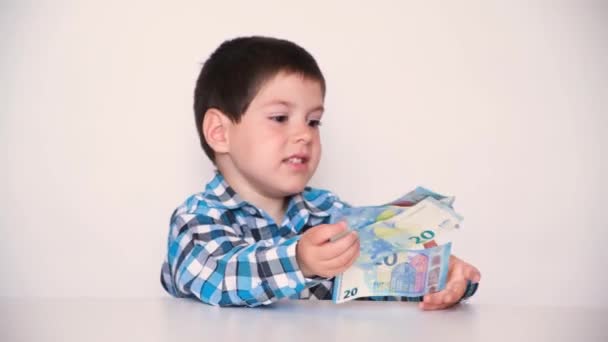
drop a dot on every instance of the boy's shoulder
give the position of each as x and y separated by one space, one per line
209 203
212 203
220 203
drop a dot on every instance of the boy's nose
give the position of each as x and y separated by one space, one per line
303 134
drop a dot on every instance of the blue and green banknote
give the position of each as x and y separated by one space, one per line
405 247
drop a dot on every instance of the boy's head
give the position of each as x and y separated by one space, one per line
257 105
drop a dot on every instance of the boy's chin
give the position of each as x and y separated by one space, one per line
292 184
292 189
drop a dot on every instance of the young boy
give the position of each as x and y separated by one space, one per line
257 233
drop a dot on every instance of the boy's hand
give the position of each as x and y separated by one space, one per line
318 257
458 274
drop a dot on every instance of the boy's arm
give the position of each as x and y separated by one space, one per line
211 262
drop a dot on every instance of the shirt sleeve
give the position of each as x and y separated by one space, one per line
211 262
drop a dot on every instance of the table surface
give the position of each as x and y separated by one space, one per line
171 319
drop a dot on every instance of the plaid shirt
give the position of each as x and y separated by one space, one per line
225 251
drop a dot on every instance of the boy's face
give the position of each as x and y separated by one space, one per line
275 148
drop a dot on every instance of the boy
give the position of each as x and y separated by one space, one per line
257 233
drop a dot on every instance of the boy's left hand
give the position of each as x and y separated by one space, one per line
459 272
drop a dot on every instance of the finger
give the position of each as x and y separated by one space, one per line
321 234
456 287
434 298
339 270
472 274
457 269
440 300
343 261
431 307
354 257
451 297
455 259
331 250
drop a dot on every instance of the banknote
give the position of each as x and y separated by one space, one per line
406 273
418 194
425 224
415 227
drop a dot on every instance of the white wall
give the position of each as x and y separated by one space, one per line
502 105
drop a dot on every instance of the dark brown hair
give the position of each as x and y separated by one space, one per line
234 73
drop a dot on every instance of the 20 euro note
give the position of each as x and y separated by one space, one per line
407 273
419 194
394 243
358 217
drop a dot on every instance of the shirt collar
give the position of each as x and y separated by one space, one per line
304 199
223 195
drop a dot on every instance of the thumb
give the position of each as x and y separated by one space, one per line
322 233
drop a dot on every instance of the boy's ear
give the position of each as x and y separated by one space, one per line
215 130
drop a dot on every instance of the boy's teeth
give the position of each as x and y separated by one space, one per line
294 160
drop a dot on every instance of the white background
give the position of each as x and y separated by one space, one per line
503 105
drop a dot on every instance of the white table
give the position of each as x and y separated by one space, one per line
169 319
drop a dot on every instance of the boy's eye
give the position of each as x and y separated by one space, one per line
279 118
314 123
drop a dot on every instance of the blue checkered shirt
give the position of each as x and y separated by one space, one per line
225 251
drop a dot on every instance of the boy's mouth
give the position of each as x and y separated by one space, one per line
296 159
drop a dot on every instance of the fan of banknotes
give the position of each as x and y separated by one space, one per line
405 247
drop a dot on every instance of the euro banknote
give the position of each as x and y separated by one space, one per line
395 239
406 273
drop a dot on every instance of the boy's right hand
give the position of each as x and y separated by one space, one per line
317 256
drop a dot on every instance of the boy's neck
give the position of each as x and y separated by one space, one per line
273 206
